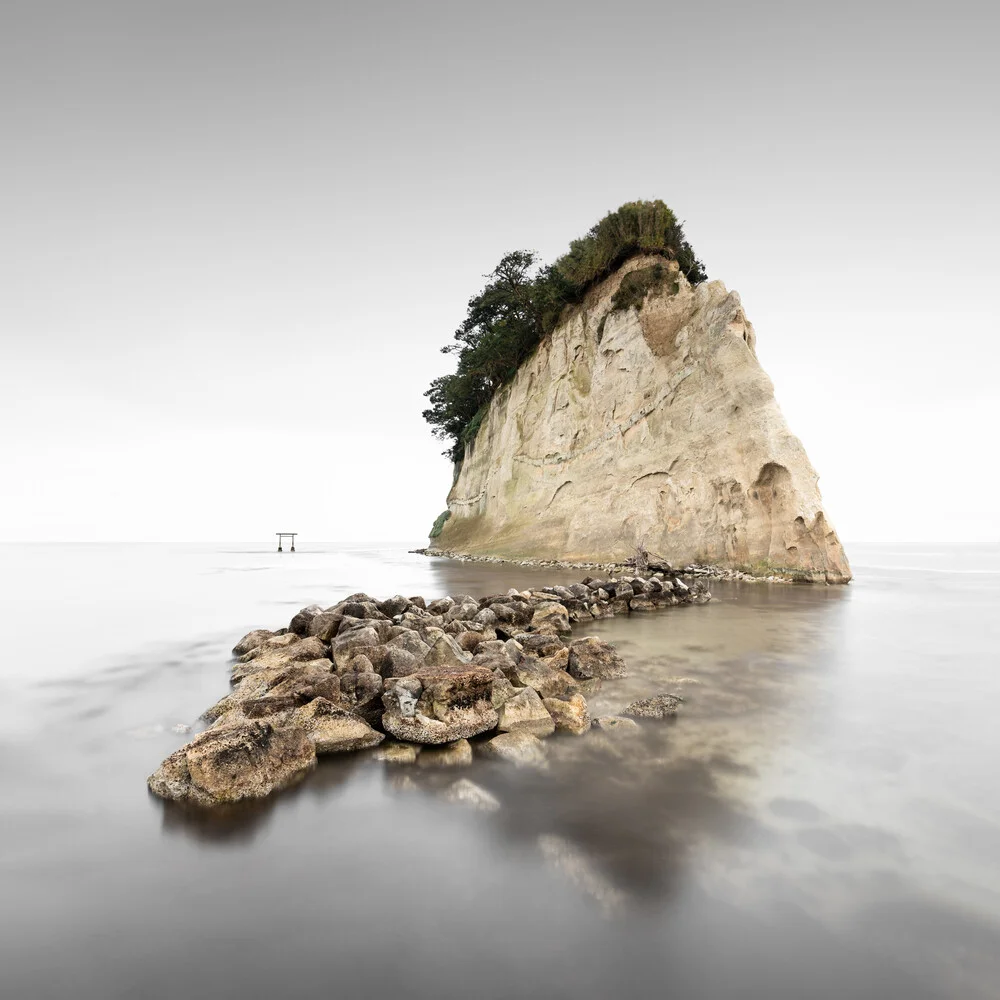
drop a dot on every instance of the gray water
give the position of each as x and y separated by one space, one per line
822 821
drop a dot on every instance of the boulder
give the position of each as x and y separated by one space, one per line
570 713
502 688
540 645
660 706
592 657
248 760
439 705
521 749
260 708
503 614
464 611
486 617
525 713
325 625
514 649
440 606
491 647
563 593
361 692
252 640
469 641
308 681
558 661
347 644
300 622
393 606
533 673
334 730
643 603
551 617
398 662
410 640
365 610
279 651
445 652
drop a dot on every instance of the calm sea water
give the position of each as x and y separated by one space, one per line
823 820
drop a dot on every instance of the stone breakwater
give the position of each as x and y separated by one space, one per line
501 670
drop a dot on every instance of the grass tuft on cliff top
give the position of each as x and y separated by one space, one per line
523 302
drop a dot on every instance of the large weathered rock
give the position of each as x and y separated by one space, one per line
325 625
334 730
347 645
591 657
279 651
654 425
410 640
300 622
229 763
439 705
570 714
503 690
533 673
525 713
361 692
252 640
444 651
551 617
394 605
307 681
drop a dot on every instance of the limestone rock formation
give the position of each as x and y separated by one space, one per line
655 426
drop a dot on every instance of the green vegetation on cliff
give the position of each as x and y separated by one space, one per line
438 526
522 303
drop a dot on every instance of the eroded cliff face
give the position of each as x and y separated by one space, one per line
654 425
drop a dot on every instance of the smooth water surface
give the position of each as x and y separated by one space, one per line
822 821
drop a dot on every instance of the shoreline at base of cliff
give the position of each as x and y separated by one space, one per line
723 573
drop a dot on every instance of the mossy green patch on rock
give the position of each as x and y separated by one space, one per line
438 525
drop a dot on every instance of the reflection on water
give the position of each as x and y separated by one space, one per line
820 820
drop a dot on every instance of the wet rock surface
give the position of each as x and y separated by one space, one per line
660 706
446 679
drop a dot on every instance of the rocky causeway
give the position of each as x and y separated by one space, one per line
406 679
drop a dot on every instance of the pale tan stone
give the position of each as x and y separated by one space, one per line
655 426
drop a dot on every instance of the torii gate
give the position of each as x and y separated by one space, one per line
286 534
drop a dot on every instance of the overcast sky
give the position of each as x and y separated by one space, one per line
233 237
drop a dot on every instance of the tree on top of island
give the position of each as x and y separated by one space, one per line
522 303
